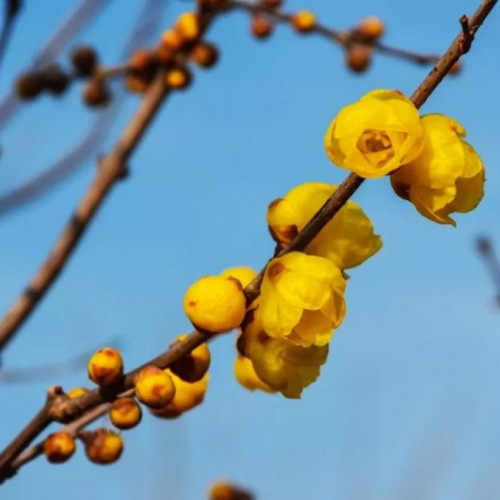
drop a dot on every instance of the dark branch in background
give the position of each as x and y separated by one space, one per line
77 21
148 24
12 9
488 254
64 410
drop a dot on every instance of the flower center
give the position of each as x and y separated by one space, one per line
374 141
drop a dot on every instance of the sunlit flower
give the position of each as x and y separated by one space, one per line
375 135
302 299
347 240
448 176
246 376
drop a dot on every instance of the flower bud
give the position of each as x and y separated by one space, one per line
261 27
178 78
125 413
226 491
188 26
359 58
370 28
163 53
142 61
29 85
304 21
58 447
205 54
172 39
84 60
154 387
76 392
193 366
96 94
55 80
135 83
106 367
215 304
103 446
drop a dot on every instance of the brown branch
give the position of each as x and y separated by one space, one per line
487 252
12 8
66 410
343 38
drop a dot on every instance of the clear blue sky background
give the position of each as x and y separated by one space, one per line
408 404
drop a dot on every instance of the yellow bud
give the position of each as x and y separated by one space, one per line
106 367
154 387
103 446
77 392
226 491
187 396
304 21
204 54
375 135
215 304
178 77
172 39
370 28
125 413
193 366
188 26
58 447
243 274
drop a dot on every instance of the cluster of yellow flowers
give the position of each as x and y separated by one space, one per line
429 161
285 332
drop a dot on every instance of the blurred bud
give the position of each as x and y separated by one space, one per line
163 53
154 387
84 60
58 447
103 446
193 366
205 54
55 80
188 26
29 85
261 27
304 21
135 83
125 413
358 58
76 392
456 68
484 245
106 367
226 491
273 3
142 61
96 93
172 39
178 77
370 28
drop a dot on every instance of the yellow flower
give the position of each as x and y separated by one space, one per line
246 376
302 299
243 274
215 304
447 177
282 365
375 135
347 240
187 396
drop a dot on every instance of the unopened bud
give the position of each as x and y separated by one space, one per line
106 367
154 387
125 413
58 447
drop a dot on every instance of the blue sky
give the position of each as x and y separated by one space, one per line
408 403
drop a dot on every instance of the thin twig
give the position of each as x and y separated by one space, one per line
66 410
12 8
487 252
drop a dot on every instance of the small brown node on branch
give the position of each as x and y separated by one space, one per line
261 27
143 61
29 85
96 93
467 36
359 57
55 80
273 4
84 60
205 54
